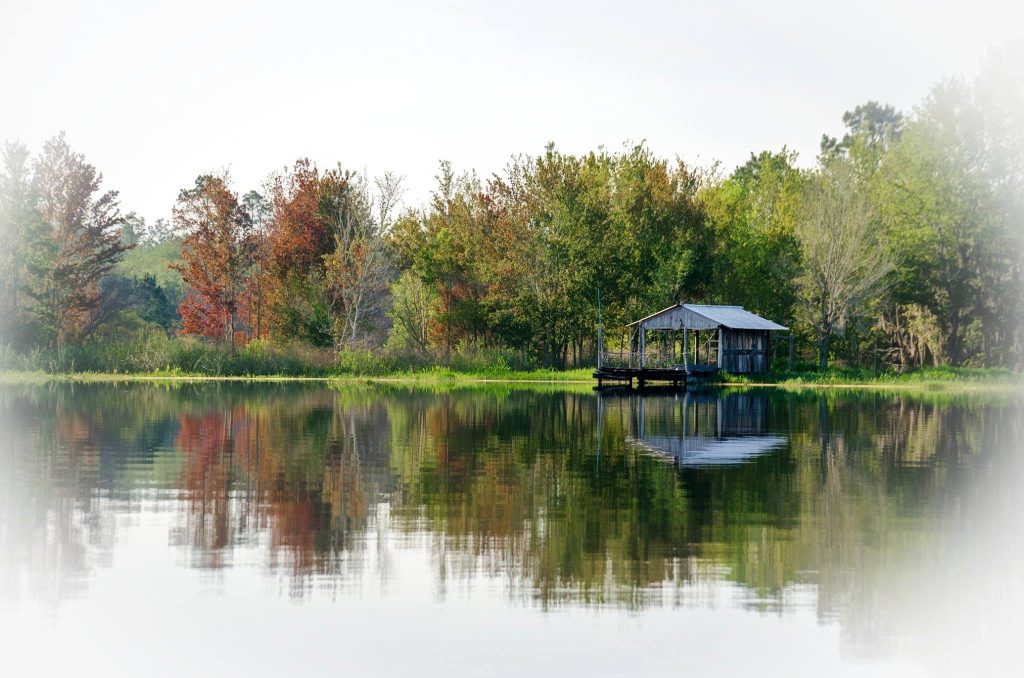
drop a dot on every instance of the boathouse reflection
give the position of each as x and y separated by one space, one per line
697 428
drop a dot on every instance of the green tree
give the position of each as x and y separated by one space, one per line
753 215
77 242
18 219
844 264
413 307
938 191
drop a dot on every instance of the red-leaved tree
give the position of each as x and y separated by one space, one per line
214 262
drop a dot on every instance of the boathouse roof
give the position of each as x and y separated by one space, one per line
707 316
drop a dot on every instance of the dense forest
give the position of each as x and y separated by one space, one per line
900 247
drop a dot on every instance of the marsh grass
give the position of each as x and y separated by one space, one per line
158 356
930 377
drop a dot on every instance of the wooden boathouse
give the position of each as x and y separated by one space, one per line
689 341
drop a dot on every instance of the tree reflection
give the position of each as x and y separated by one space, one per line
568 498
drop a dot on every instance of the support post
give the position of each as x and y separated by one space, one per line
721 338
686 349
643 344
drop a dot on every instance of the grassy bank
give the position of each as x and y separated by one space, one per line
942 378
939 379
161 357
431 376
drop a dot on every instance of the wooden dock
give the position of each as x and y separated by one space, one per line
676 376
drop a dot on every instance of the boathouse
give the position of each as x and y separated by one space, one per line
687 340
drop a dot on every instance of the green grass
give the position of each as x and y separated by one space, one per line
940 379
431 376
929 377
157 356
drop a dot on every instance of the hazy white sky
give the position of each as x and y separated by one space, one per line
156 93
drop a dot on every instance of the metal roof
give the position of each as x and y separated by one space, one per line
734 317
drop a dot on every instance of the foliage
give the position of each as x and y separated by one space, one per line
213 263
74 243
18 219
844 266
753 213
413 305
155 260
357 273
941 194
900 248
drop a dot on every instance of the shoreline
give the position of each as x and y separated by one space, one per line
568 378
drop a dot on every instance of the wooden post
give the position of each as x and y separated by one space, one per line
686 349
643 344
721 338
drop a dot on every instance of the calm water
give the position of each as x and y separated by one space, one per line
297 529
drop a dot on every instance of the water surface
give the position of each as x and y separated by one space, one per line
271 529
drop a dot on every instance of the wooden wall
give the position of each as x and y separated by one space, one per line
745 351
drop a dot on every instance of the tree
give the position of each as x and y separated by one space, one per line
752 214
948 194
18 218
872 128
449 254
160 231
133 229
413 307
298 239
844 264
258 214
359 269
76 243
213 257
123 298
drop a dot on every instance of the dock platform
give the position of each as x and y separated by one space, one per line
676 376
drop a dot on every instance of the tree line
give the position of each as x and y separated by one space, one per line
902 246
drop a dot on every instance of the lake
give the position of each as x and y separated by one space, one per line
305 529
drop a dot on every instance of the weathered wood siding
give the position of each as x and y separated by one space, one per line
745 351
677 319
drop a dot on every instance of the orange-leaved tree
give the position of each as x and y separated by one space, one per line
298 238
214 263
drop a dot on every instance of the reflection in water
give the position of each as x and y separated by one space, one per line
701 428
858 507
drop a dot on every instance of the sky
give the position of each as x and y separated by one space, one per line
155 93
